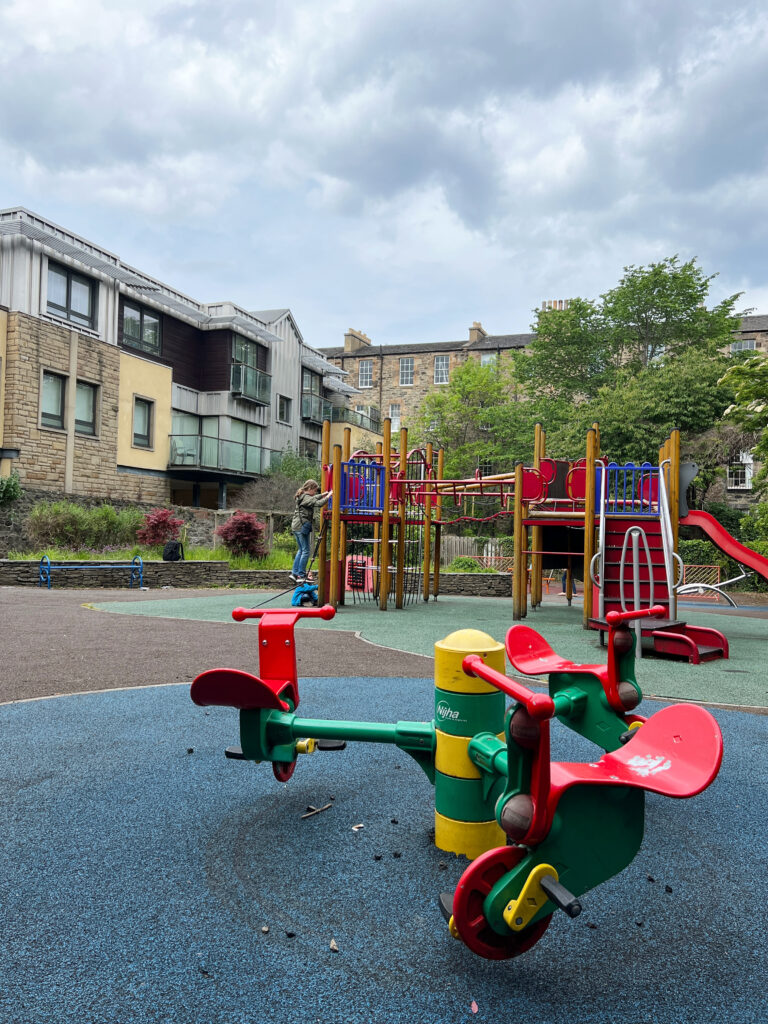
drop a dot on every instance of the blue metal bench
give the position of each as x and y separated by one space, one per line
136 568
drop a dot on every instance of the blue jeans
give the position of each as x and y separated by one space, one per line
302 555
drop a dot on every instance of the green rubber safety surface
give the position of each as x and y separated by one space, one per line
741 680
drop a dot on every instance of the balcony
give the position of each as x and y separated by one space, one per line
314 408
212 454
358 419
250 383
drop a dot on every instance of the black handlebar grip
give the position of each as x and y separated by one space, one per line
560 896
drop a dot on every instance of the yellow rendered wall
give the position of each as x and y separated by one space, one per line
144 379
4 470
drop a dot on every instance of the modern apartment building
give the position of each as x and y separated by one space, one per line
393 379
115 384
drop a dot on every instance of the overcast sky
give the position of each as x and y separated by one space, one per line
403 167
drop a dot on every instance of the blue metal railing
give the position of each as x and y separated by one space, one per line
362 487
630 489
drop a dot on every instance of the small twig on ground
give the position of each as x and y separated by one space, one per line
315 810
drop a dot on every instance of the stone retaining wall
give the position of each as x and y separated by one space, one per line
25 573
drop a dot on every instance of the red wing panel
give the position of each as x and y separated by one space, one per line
676 753
231 688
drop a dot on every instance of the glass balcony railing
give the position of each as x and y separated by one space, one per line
315 408
213 453
251 383
358 419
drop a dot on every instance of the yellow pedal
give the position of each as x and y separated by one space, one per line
520 912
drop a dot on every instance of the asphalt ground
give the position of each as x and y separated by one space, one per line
141 867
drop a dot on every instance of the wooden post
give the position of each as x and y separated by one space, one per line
537 533
589 524
401 529
376 557
335 528
386 454
427 529
346 451
520 567
438 526
325 458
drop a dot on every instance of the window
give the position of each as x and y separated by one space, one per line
441 369
486 467
71 296
142 423
365 373
488 358
740 473
406 371
743 345
309 449
141 329
85 408
394 415
283 409
52 401
249 353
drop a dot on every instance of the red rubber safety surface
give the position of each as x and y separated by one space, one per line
471 924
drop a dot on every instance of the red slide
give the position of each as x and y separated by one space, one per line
720 536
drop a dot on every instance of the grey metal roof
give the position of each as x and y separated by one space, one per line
340 386
269 316
12 222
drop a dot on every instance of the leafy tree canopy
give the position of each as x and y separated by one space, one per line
749 383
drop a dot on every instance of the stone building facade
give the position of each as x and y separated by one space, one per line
394 379
117 385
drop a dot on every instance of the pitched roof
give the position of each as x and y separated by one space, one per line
758 322
491 343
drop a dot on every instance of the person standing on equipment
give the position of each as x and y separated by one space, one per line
308 498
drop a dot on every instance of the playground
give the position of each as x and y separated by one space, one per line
407 845
150 878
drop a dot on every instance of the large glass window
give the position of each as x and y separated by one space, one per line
442 369
740 473
71 295
85 408
488 358
283 409
365 373
394 415
249 364
142 423
52 401
141 329
406 371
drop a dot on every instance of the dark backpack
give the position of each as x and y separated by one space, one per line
173 551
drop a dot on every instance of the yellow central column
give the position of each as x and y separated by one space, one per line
464 707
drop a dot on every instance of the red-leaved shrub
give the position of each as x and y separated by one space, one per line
244 534
160 525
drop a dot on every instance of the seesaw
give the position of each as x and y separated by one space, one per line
540 833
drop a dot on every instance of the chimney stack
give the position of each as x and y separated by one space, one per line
477 332
354 340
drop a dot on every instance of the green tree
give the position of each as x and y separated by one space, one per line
749 383
478 418
570 356
660 309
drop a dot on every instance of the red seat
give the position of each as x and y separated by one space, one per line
530 654
676 753
231 688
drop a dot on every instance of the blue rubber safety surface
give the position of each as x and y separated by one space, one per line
141 867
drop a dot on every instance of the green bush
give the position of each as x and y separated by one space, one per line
728 517
466 564
754 525
284 542
10 488
65 524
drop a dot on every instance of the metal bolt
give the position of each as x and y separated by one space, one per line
287 643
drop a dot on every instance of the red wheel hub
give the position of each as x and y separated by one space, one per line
469 917
283 770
